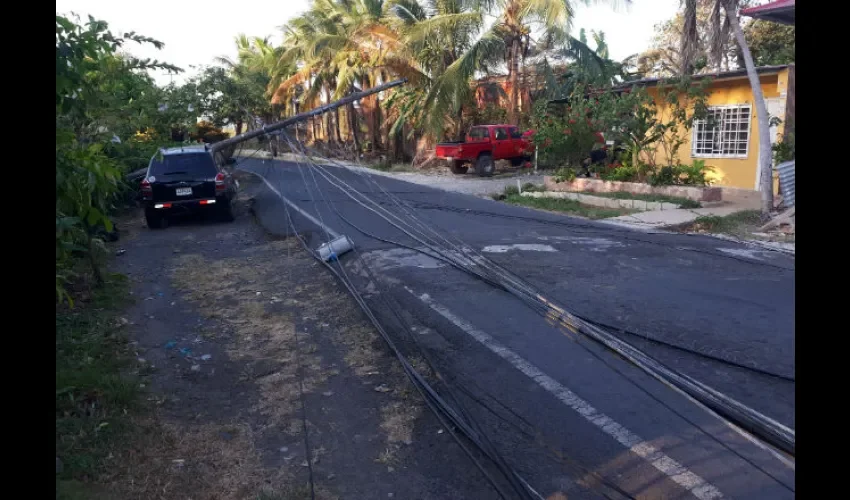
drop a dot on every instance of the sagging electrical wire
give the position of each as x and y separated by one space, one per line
601 359
434 402
537 436
761 425
480 259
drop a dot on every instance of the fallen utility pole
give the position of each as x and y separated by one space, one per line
332 249
267 129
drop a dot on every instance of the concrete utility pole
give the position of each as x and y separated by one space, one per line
266 129
333 249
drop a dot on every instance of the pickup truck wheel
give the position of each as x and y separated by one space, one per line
457 167
485 166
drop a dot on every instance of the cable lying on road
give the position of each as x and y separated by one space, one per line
447 415
491 451
753 421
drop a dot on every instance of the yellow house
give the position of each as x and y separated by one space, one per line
730 142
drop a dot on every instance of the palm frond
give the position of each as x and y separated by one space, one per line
445 23
407 11
549 13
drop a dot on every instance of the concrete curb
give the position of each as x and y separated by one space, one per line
602 201
784 248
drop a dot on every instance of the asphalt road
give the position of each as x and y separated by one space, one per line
569 416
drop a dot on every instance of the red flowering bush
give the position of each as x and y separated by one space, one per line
564 136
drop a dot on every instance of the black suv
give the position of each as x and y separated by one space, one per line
186 179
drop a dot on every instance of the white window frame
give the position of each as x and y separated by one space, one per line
719 130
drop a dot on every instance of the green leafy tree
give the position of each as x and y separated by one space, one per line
770 43
96 103
565 134
724 19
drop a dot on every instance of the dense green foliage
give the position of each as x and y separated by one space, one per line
650 129
771 43
103 102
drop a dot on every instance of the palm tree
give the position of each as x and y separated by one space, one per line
345 44
436 34
509 40
719 28
517 20
577 64
258 69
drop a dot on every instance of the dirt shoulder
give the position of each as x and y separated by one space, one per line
261 372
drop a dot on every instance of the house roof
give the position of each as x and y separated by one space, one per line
722 75
778 11
652 82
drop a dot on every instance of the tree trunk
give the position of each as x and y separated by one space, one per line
513 65
765 157
690 37
238 127
459 136
327 115
337 134
398 145
382 117
295 110
369 105
352 124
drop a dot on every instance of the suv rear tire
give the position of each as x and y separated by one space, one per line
226 211
155 219
485 167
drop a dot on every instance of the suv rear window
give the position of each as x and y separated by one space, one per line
189 165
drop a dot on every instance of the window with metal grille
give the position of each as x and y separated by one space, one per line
724 133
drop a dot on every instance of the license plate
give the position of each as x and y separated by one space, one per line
183 192
449 158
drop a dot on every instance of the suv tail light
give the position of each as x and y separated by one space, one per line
219 182
147 191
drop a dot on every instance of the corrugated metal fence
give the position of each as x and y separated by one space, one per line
786 182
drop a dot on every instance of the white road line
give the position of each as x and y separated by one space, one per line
677 472
295 207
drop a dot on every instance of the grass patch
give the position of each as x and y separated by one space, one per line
571 207
93 396
737 224
529 188
620 195
512 190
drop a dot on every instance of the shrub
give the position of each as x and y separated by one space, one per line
565 174
681 175
693 174
784 150
564 135
664 177
510 190
622 173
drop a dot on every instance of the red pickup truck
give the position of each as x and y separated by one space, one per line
483 146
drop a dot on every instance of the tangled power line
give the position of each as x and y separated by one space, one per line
438 245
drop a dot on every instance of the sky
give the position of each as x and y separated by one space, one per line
195 35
